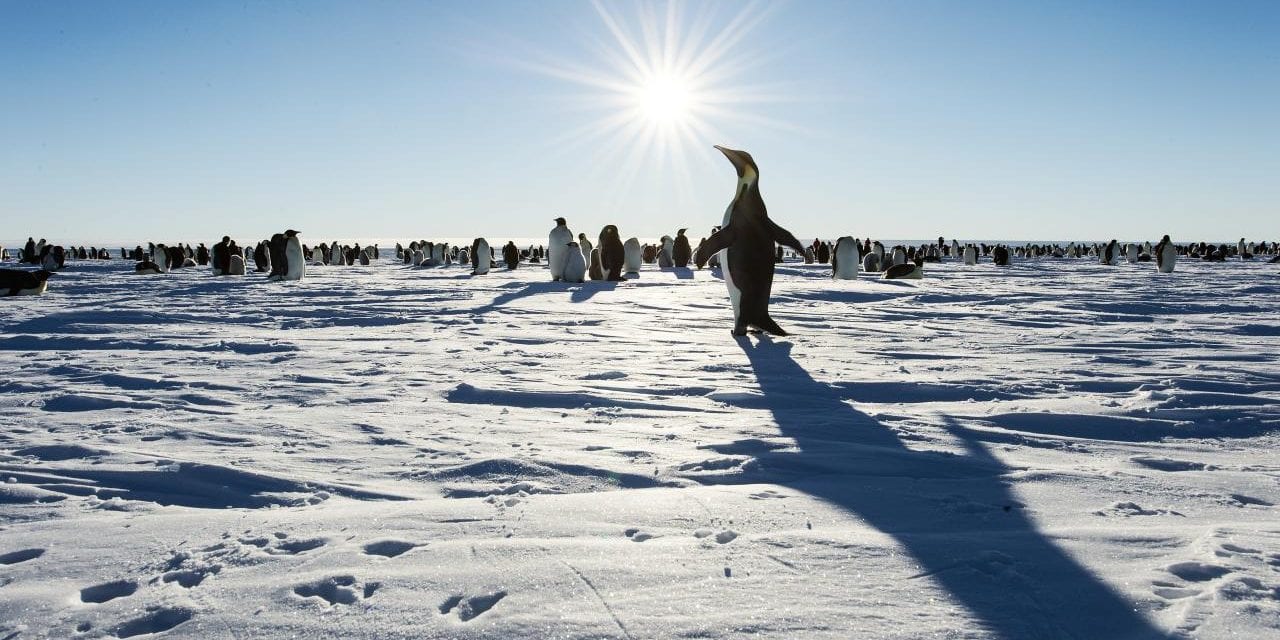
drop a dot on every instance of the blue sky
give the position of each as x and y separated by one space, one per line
128 121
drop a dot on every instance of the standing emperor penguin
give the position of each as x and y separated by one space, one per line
585 246
612 254
631 256
845 259
295 266
970 255
481 257
746 244
1131 253
681 252
511 255
665 249
1166 255
1110 254
557 241
575 265
596 270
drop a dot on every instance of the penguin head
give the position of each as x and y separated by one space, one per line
681 232
748 173
560 222
291 233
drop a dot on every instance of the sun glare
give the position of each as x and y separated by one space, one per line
664 82
665 99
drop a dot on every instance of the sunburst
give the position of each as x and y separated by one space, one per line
664 86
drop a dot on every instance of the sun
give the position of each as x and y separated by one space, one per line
665 99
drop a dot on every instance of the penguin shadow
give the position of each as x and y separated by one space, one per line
590 288
577 293
954 514
682 273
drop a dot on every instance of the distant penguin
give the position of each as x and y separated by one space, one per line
1131 253
809 257
262 257
237 265
1110 255
631 256
584 246
438 256
824 252
899 256
665 249
575 266
557 240
146 267
1166 255
970 255
511 255
480 257
1000 255
908 271
295 266
845 260
21 282
747 238
597 269
160 256
612 254
681 252
279 264
871 262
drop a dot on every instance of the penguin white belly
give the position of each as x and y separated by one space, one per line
575 267
846 259
735 294
1131 253
1168 257
293 258
481 258
970 255
437 255
631 256
558 250
586 247
33 291
237 266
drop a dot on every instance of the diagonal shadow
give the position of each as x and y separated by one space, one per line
955 515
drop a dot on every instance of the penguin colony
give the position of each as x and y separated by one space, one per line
745 246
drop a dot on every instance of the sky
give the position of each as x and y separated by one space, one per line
124 121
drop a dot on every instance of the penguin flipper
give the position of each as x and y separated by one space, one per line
784 237
718 241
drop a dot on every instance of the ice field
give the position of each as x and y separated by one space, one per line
1056 449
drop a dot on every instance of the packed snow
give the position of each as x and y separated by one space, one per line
1055 449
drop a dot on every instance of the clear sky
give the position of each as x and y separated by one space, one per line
127 121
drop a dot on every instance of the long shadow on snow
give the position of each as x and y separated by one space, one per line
954 514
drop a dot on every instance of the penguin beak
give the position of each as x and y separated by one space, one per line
736 158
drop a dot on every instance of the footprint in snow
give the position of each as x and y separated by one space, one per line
468 608
388 548
336 590
14 557
154 621
108 591
637 535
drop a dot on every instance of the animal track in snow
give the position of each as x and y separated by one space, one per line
468 608
1127 509
1197 571
108 591
767 494
388 548
156 621
335 590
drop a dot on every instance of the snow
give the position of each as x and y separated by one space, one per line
1057 449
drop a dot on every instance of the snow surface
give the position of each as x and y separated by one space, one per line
1057 449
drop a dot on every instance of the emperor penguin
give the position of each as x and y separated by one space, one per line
557 240
1109 254
596 270
1166 255
585 245
970 255
575 265
905 271
871 262
295 266
665 249
680 250
746 243
481 257
878 249
279 264
612 253
845 260
438 254
1131 253
511 255
1000 255
21 282
464 255
161 257
631 256
899 256
236 267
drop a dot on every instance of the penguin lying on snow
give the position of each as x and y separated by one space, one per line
747 239
19 282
